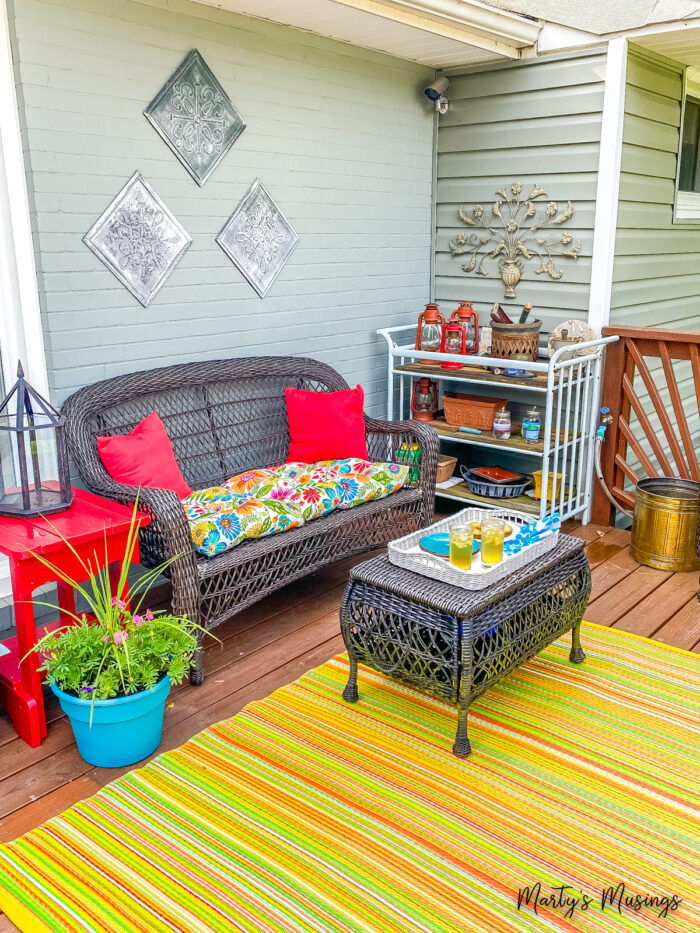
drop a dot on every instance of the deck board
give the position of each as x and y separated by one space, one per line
275 641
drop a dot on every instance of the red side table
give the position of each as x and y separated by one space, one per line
87 524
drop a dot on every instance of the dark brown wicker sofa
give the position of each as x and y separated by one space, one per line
224 417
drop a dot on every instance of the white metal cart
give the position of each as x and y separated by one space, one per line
568 387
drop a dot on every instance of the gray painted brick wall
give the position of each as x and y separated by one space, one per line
341 137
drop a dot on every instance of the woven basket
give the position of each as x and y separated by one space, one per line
446 467
471 411
509 339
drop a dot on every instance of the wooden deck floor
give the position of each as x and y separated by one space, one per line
292 631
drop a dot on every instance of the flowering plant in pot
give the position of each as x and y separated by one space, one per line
112 668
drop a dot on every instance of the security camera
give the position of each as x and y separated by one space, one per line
437 89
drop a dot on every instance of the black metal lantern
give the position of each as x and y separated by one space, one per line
34 477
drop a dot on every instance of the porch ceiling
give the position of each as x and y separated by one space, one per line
436 33
681 43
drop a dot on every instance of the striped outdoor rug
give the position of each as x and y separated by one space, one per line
305 814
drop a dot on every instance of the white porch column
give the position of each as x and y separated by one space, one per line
610 155
20 319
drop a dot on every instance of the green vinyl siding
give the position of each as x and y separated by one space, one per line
535 121
341 137
656 272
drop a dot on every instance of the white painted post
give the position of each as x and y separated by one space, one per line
609 159
20 321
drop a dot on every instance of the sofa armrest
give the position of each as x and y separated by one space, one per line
167 535
388 440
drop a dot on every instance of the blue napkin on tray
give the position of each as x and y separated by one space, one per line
535 531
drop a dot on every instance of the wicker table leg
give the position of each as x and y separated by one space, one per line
462 747
577 654
350 694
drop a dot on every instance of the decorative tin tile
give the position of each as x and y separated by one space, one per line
195 117
258 238
138 239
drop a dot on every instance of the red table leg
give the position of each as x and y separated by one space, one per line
66 602
25 703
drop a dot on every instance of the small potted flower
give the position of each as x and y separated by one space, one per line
112 668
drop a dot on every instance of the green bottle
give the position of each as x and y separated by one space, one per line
525 312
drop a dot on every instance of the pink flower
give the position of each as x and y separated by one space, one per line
107 638
114 600
137 620
149 615
119 603
120 637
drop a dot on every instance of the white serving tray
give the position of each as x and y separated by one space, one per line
405 552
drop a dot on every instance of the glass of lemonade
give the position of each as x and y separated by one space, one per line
461 546
492 534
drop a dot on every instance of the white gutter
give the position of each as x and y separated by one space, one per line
494 23
468 21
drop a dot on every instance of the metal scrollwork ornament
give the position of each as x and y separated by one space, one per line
194 115
514 230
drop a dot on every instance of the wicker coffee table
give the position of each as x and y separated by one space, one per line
456 643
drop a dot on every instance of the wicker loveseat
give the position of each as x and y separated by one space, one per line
224 417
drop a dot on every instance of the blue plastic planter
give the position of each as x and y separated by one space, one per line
124 730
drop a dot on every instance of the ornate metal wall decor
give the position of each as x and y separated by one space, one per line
258 238
511 228
195 117
138 239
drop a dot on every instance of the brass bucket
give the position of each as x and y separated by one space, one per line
665 524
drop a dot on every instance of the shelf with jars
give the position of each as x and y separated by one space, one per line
534 413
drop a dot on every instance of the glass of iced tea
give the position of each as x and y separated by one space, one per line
461 546
492 534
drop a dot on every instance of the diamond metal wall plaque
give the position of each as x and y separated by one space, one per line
195 117
257 238
138 239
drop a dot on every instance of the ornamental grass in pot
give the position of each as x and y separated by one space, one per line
112 667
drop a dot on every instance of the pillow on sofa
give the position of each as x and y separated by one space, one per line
265 502
143 457
219 519
326 425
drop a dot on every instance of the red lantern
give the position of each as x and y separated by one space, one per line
429 330
454 340
466 315
424 401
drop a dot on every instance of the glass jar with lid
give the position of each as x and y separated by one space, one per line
501 424
533 423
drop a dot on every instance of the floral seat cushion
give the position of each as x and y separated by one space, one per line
262 502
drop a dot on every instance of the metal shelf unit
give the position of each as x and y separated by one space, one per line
571 389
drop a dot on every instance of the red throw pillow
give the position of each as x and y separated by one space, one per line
143 457
326 425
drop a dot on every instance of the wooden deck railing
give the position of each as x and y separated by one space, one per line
643 439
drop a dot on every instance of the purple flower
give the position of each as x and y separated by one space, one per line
87 689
